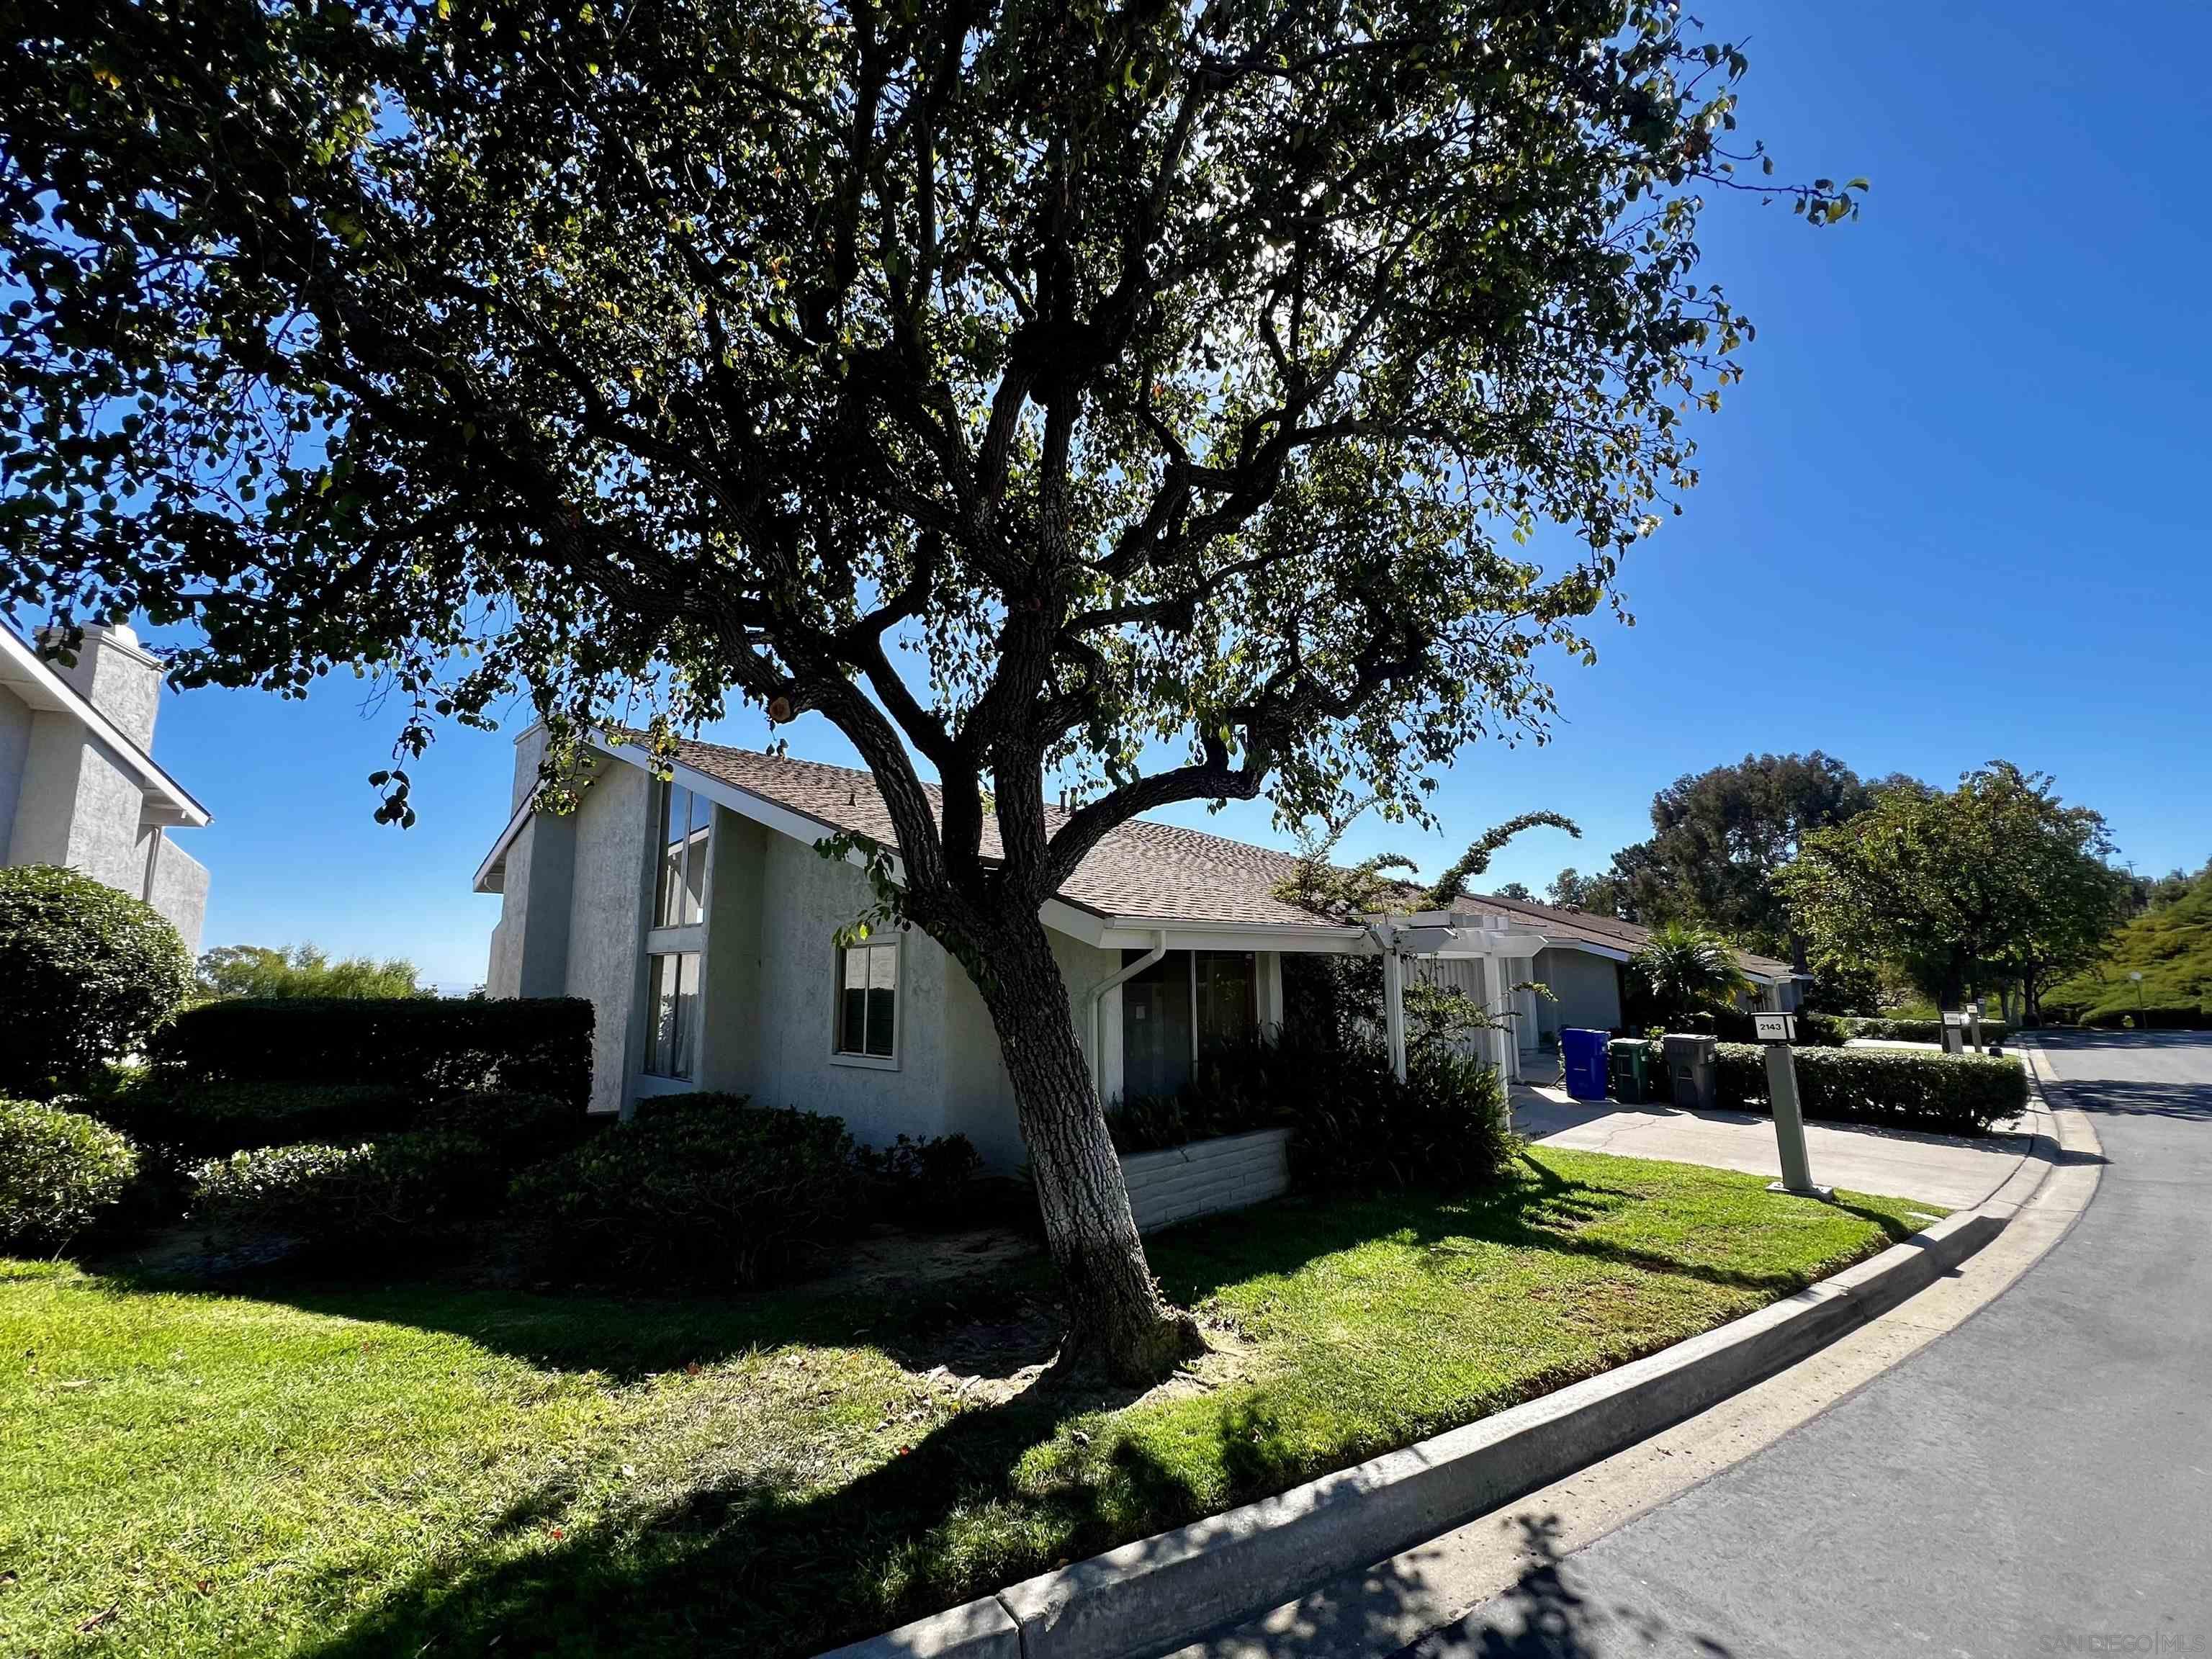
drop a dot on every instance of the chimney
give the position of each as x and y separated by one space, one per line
116 676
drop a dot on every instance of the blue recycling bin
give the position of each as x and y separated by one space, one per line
1584 1056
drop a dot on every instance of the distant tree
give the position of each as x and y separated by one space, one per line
1516 891
301 970
1687 968
1719 836
1996 880
1609 893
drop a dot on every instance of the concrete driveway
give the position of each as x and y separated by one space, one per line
1954 1172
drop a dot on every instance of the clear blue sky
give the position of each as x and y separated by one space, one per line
1948 516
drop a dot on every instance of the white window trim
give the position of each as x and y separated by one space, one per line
690 938
895 1061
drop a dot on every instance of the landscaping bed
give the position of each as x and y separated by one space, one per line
286 1464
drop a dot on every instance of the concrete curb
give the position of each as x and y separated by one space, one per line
1154 1594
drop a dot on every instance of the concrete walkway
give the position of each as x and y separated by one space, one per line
1950 1170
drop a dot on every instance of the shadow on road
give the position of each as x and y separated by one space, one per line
1549 1613
2182 1100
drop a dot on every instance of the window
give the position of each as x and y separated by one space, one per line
672 1005
1189 1006
867 1000
679 897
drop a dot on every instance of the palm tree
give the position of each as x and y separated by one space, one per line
1688 968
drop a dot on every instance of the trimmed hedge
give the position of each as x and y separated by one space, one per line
1954 1094
1353 1126
86 975
1994 1031
397 1194
60 1172
533 1045
213 1120
699 1188
2177 1017
928 1183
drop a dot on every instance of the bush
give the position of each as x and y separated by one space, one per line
930 1182
60 1172
1994 1031
86 975
2181 1016
534 1045
397 1194
702 1189
211 1120
1954 1094
1353 1126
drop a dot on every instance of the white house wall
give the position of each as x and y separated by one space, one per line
804 899
15 750
606 920
178 889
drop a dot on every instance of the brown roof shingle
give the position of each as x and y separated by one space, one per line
1143 868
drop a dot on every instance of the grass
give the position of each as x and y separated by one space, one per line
348 1469
2170 947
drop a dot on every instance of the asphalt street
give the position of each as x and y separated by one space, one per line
2036 1481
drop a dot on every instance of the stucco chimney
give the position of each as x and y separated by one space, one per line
116 675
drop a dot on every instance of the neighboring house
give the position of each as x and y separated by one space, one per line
699 918
79 785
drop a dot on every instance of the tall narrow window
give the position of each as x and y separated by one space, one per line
672 1006
680 897
867 1000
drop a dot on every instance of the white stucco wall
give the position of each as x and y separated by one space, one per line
804 900
178 889
606 921
15 750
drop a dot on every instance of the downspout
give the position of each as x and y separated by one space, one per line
1393 1001
1115 983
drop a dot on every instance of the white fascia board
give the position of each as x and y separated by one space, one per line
1609 953
491 874
25 673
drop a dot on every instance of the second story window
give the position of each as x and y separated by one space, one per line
680 896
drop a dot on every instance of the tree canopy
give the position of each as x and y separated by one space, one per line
1996 880
1158 397
301 970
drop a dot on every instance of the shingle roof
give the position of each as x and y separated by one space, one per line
1143 868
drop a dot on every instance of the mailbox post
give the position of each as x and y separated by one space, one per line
1974 1026
1774 1032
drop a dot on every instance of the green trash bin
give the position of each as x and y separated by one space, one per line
1629 1059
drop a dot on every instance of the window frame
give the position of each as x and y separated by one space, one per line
687 1037
895 942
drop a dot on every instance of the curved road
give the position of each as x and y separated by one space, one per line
2038 1481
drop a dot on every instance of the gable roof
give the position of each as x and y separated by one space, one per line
1143 871
26 674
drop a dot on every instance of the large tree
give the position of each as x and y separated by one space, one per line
1135 396
1997 880
1717 839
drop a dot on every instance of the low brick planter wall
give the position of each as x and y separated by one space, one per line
1206 1176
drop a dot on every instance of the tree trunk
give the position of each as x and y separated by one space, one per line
1117 1320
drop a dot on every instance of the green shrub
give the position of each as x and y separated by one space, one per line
1994 1031
1952 1094
534 1045
59 1173
1353 1126
86 975
398 1194
211 1120
702 1189
2181 1016
931 1182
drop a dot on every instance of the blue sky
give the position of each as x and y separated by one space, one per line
1948 516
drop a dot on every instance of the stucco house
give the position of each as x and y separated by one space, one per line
700 921
79 785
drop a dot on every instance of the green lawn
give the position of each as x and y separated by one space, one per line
421 1468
